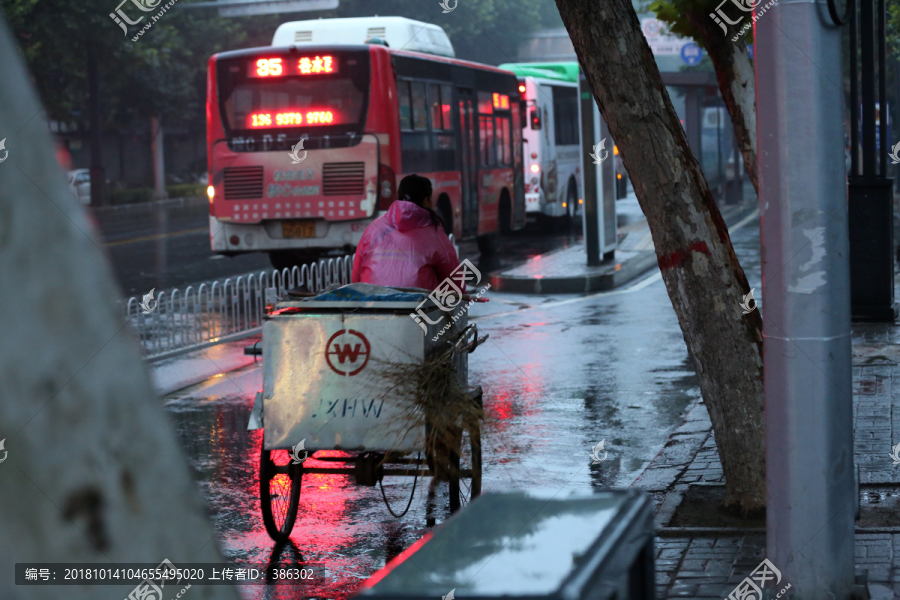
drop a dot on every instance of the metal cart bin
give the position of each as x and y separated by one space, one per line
327 386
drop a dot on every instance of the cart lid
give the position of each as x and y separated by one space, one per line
366 292
359 295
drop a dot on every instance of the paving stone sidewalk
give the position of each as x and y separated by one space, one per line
710 564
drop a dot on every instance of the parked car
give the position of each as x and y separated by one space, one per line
80 184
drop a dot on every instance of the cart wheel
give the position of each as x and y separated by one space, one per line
279 492
463 489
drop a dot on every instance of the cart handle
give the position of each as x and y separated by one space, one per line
477 342
464 337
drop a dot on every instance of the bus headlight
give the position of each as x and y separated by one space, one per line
535 168
211 192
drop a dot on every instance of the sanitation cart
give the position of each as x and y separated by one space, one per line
325 389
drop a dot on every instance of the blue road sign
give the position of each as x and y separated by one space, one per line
691 53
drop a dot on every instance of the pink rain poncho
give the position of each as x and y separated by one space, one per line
404 249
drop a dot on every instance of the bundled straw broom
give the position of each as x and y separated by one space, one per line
430 395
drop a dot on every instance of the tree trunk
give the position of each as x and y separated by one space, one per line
734 72
702 275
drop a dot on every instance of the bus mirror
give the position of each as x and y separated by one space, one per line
536 118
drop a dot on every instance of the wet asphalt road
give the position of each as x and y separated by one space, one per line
165 247
560 373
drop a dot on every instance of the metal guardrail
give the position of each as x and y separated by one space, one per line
222 311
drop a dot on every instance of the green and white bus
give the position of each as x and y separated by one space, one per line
551 136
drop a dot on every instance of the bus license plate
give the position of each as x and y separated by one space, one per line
298 229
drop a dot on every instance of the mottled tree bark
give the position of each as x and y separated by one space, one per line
734 72
701 272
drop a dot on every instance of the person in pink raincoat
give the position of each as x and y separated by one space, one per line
407 247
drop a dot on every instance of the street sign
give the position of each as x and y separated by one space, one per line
692 53
243 8
661 42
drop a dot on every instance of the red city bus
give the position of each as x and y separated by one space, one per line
367 115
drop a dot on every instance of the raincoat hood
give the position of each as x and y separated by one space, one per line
405 215
403 248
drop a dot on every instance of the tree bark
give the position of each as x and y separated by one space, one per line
704 280
734 71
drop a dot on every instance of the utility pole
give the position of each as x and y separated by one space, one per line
811 493
592 207
159 158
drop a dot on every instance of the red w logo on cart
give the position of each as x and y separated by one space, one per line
351 348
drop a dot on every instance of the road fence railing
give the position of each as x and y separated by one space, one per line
222 311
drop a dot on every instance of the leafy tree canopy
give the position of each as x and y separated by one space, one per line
674 13
164 72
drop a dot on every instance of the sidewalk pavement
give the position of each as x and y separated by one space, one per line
566 272
694 562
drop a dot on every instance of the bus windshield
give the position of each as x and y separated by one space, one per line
309 94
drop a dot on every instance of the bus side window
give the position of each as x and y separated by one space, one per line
420 115
405 115
486 141
446 105
415 146
565 115
503 141
443 142
434 104
523 114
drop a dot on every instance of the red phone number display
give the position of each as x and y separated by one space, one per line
305 65
289 118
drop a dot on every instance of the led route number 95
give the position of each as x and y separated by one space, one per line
313 117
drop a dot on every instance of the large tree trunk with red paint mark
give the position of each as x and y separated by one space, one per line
702 275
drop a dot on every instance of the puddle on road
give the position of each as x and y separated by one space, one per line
342 533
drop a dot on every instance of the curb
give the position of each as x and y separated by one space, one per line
615 276
599 282
181 372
